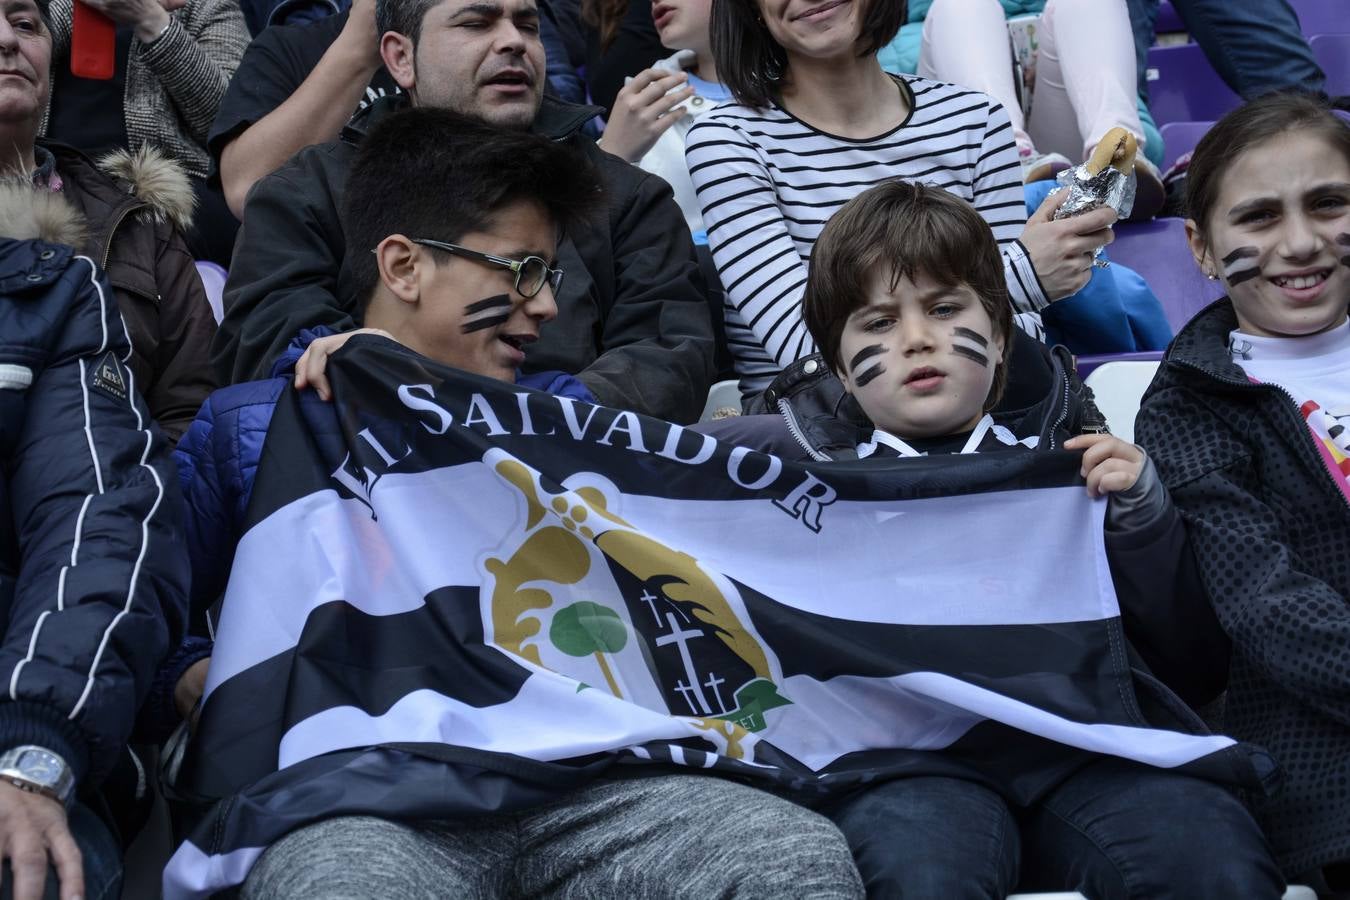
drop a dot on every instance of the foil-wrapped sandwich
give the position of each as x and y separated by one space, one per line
1106 178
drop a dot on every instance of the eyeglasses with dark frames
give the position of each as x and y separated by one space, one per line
532 273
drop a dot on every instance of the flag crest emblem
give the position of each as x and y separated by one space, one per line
572 545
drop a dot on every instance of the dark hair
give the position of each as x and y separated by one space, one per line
1266 117
898 229
433 173
605 16
753 65
402 17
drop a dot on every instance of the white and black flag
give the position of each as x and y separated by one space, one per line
458 596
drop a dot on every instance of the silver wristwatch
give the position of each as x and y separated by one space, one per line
38 771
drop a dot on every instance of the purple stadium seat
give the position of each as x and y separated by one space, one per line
1183 87
1179 138
1322 16
1332 52
1168 20
1157 250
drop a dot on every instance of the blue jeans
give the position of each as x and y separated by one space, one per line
1254 45
101 854
1114 829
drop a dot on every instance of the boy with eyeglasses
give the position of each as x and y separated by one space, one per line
458 222
463 274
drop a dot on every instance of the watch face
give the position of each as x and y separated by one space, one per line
40 767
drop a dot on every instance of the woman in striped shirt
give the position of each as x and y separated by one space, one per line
815 122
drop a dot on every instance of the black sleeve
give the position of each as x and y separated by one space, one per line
286 264
1165 609
276 63
567 16
656 341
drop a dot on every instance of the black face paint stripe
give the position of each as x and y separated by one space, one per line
480 324
1245 275
865 354
972 355
1240 253
489 303
867 377
970 335
1343 240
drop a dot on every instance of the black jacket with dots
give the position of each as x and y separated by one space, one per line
1271 533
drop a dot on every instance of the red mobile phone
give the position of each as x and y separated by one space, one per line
93 43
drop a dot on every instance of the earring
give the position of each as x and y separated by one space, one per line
1212 276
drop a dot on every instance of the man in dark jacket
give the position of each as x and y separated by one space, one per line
633 323
93 577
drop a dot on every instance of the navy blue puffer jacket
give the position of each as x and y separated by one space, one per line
93 575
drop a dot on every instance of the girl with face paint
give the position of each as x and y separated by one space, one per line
1248 422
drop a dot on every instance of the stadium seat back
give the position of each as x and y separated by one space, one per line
1322 16
1180 138
722 394
1168 21
1117 388
1332 52
1158 251
213 279
1183 86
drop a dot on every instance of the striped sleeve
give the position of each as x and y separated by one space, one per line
194 67
1000 199
762 271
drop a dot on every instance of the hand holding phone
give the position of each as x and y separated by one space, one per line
93 43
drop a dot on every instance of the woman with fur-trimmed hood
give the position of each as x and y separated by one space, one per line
131 209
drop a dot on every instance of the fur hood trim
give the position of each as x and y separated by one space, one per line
31 213
156 180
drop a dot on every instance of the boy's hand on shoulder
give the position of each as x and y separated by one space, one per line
1109 464
309 369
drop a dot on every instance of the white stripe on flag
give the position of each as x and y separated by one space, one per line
930 710
549 720
1016 557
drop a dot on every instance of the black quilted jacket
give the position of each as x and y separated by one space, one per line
1271 533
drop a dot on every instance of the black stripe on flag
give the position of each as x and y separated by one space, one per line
346 657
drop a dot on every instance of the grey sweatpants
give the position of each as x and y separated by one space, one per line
692 836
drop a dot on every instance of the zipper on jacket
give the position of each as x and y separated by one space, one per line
796 429
121 217
1063 410
1303 426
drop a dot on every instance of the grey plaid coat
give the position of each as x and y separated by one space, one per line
174 83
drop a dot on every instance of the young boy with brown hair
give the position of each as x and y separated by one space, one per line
907 300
